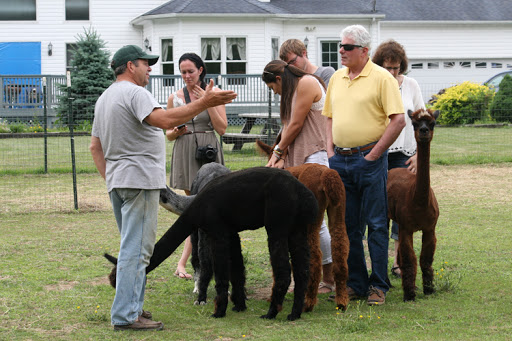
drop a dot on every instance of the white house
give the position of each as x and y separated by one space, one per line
447 41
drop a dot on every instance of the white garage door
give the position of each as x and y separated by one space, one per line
434 75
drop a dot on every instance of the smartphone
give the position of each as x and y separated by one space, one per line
181 126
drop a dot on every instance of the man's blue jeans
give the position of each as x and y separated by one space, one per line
136 213
365 186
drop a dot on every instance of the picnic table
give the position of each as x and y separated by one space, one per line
238 139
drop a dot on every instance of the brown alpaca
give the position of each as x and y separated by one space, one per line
329 191
413 205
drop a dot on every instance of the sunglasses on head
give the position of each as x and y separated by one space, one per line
349 47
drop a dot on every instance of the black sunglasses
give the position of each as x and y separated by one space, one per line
349 47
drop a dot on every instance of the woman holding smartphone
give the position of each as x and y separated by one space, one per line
198 132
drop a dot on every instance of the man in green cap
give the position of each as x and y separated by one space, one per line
128 148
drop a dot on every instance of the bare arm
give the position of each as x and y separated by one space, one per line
172 117
328 134
97 155
308 92
217 114
395 126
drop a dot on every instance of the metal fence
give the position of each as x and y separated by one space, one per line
37 172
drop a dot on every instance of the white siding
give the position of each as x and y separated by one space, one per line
111 19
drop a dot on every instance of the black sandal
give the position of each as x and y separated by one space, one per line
396 273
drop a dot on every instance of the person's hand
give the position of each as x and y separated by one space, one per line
275 162
213 98
174 133
370 157
412 163
198 91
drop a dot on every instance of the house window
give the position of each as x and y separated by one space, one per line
233 61
417 66
330 55
449 65
70 55
167 61
18 10
481 65
496 65
433 65
465 65
211 54
77 9
275 48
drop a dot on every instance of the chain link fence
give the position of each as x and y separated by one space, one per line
45 166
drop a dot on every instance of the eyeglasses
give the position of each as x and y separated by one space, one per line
291 62
392 68
349 47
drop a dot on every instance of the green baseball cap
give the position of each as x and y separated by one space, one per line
129 53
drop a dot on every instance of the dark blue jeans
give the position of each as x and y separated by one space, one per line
396 160
365 186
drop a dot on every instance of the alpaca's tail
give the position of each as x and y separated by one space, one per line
169 242
333 186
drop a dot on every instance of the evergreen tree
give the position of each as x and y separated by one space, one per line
501 107
90 76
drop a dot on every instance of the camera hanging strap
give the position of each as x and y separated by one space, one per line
187 100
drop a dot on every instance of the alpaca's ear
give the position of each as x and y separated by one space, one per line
264 148
435 114
112 259
409 113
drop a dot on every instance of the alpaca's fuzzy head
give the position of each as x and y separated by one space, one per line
423 122
112 275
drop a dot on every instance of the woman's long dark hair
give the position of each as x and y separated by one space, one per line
290 76
198 62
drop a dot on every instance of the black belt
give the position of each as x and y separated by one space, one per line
353 150
198 132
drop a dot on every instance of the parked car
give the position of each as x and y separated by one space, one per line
494 81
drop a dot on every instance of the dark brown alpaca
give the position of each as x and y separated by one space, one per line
329 191
413 205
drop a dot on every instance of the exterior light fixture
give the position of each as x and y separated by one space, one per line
146 44
50 49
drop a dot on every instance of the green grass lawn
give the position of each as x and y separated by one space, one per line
53 278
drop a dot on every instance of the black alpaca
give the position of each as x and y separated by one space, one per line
247 200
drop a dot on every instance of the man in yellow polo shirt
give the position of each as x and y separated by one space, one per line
366 115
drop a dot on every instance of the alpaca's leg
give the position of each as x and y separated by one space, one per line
220 250
339 250
299 254
315 269
194 259
278 249
206 267
428 247
237 274
408 263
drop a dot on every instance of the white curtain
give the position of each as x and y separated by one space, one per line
214 44
239 43
166 45
275 48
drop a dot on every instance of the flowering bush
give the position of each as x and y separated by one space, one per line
4 126
464 104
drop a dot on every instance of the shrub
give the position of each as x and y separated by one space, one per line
501 106
4 126
17 127
464 104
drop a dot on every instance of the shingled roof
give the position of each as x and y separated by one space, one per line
406 10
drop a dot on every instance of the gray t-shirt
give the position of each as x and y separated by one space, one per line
134 150
325 73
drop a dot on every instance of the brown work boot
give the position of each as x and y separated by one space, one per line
141 324
376 296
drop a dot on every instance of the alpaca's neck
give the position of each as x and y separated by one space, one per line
421 193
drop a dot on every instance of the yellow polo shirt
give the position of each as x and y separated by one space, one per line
360 107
